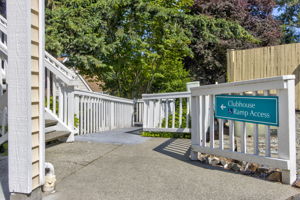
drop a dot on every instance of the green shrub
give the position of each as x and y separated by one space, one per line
170 117
4 149
76 121
167 135
51 104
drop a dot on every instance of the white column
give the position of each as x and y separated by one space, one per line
195 112
26 53
71 112
287 131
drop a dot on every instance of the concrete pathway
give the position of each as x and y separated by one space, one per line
117 136
4 191
155 169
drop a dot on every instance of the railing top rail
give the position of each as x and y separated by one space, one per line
171 95
3 24
277 82
3 49
66 70
103 96
3 20
61 75
139 101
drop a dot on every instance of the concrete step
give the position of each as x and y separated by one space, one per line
55 135
49 123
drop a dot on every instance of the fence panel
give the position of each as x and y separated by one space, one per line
99 112
265 62
167 112
283 155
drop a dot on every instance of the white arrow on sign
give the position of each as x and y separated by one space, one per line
223 107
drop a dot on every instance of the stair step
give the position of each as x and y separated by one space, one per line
56 135
51 131
49 123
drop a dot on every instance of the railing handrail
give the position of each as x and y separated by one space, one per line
53 61
3 24
3 20
166 95
61 66
276 82
103 96
62 76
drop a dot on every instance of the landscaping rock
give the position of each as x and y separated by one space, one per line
297 183
234 166
274 176
202 157
263 170
225 161
226 166
252 167
214 161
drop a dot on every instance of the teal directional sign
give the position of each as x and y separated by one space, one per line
253 109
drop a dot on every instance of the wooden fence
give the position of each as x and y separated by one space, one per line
265 62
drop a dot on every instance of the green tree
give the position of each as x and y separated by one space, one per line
255 16
132 46
288 12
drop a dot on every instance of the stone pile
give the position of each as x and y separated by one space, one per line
247 168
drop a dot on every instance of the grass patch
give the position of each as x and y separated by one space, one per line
4 149
167 135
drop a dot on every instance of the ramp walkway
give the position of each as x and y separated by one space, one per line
102 166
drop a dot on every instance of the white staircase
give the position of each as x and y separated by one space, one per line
55 127
68 110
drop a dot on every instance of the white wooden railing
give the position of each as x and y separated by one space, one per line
3 54
3 66
59 66
167 112
59 97
99 112
203 124
95 111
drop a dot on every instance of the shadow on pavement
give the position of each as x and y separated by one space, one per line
4 191
180 150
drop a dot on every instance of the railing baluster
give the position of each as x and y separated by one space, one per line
88 114
180 112
159 113
54 95
204 120
187 112
85 111
167 113
61 103
65 109
81 116
151 114
98 110
174 111
255 135
268 134
221 134
244 138
48 88
212 121
95 119
231 135
145 120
